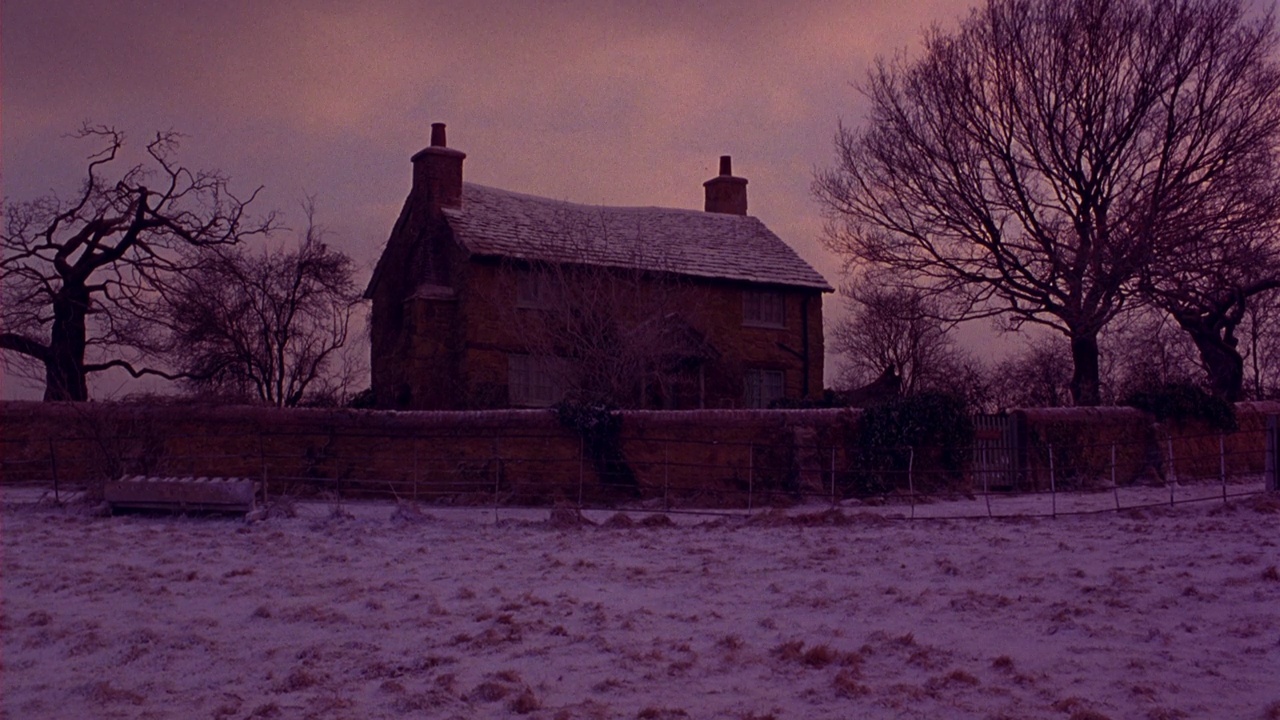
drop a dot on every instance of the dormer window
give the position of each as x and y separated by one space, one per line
764 308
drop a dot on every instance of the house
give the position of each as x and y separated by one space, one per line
488 298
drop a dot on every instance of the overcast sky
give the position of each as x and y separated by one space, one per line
619 103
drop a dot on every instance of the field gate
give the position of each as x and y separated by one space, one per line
997 452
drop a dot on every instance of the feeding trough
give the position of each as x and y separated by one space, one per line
181 494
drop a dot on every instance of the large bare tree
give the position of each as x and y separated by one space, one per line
270 325
80 274
1032 162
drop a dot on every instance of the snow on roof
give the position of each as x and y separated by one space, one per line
501 223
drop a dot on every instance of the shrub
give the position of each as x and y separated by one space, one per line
1184 402
935 428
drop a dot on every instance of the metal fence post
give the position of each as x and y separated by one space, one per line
986 475
53 467
1115 489
497 478
1053 486
666 475
833 474
1273 453
581 469
1173 473
415 471
911 482
751 474
1222 463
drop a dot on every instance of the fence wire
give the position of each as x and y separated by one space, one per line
672 474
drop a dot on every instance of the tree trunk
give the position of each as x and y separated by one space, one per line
1222 362
64 366
1085 385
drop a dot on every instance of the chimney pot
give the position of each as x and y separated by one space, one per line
725 193
437 172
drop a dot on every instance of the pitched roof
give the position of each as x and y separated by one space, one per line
500 223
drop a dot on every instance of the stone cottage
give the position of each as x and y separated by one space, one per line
488 298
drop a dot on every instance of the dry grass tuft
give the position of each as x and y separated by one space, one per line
281 506
731 642
619 520
828 518
1088 715
847 684
820 656
655 713
1078 709
564 518
1266 503
267 710
525 703
104 693
410 513
656 521
488 691
1004 663
960 677
789 651
1271 574
1272 712
297 680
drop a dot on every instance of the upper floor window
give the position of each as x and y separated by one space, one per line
762 387
764 308
535 290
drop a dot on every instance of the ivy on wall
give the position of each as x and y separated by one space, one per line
600 427
924 430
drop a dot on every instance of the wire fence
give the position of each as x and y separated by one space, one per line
672 474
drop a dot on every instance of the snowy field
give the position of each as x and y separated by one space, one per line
379 611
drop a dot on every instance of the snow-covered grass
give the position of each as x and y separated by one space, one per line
377 610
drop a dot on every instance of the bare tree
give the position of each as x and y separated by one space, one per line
1034 161
1261 332
79 275
610 335
1146 349
271 325
1207 283
894 326
1038 377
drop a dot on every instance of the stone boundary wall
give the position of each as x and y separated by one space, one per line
525 456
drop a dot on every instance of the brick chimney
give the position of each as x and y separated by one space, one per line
726 193
437 171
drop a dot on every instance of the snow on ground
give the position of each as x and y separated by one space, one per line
377 611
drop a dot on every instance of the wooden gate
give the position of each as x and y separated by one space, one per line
995 452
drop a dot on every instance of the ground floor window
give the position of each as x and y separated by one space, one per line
536 380
763 387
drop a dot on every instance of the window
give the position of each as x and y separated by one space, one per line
536 381
764 308
535 289
763 387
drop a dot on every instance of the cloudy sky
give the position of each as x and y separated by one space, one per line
622 103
